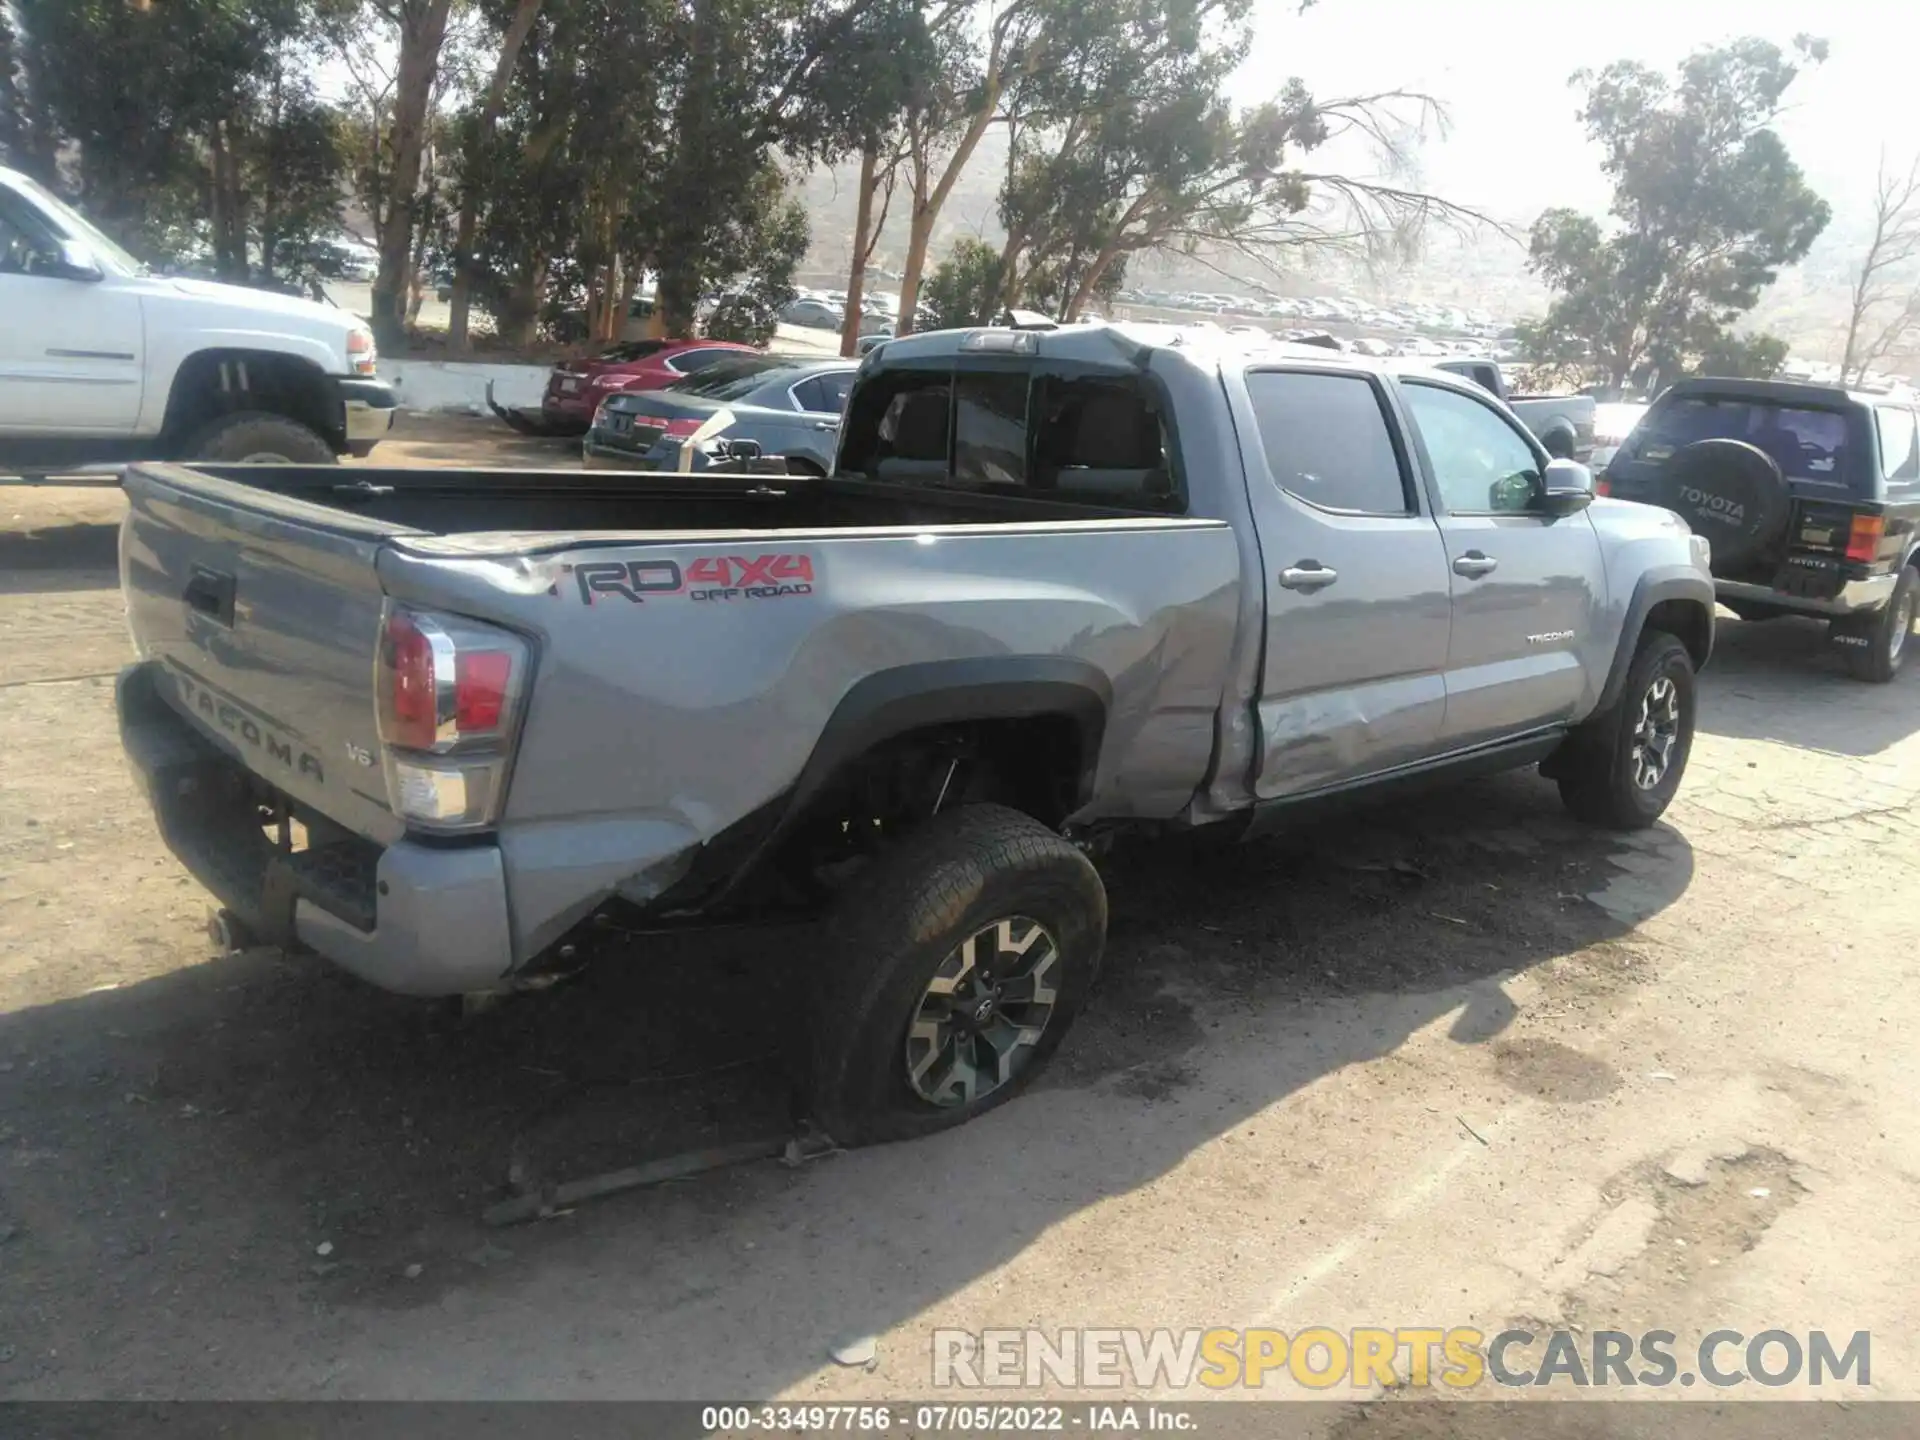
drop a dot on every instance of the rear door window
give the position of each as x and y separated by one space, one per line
827 393
1806 443
1327 442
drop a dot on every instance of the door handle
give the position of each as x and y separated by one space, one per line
1308 575
211 593
1473 565
826 424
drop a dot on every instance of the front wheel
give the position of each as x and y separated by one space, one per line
1876 646
952 970
254 437
1622 767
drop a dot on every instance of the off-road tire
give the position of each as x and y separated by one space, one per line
256 435
1596 771
897 924
1878 643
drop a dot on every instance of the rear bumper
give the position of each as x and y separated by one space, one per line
571 410
368 409
416 919
597 454
1850 598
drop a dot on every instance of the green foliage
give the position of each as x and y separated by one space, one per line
965 288
13 112
1743 357
1707 208
193 123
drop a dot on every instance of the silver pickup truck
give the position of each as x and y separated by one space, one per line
439 726
1564 424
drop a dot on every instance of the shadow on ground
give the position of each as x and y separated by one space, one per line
196 1136
1793 686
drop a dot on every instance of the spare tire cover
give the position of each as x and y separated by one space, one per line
1731 492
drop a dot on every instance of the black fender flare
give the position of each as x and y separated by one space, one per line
1668 582
894 702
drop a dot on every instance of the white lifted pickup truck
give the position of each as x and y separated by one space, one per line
102 362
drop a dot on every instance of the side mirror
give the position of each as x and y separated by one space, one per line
74 262
1566 488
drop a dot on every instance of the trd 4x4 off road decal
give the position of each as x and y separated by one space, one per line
711 577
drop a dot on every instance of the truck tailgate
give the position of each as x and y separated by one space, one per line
262 614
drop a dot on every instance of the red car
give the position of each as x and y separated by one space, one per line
576 387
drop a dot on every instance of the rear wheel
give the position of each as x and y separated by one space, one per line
1622 767
1877 643
255 437
954 966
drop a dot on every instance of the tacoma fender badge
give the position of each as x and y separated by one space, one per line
1550 637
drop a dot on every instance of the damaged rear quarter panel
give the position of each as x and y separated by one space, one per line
660 714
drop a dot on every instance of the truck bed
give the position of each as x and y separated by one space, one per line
692 640
447 501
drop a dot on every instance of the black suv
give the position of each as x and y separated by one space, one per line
1810 495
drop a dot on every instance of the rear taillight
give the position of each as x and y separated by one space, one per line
1863 540
670 429
449 694
1602 485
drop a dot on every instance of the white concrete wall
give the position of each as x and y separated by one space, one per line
462 386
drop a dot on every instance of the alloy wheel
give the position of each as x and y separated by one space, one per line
983 1012
1656 733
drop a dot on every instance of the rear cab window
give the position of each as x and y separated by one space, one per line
1047 431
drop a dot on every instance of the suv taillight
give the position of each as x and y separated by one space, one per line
1863 538
449 696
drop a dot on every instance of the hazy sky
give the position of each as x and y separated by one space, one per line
1501 67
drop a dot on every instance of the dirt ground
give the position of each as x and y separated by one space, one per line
1457 1062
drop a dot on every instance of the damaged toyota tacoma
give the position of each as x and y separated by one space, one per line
445 728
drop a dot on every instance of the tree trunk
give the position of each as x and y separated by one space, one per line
927 204
857 271
522 315
919 233
423 30
1089 282
229 226
1853 338
1010 286
474 179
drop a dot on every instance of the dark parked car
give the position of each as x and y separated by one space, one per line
1810 495
787 406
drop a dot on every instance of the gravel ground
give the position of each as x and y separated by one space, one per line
1457 1061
